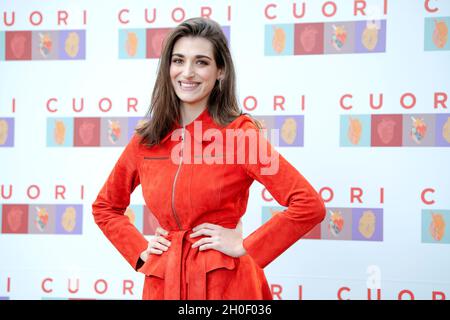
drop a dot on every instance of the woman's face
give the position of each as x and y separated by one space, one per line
193 70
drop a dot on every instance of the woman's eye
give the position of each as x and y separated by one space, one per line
202 62
177 61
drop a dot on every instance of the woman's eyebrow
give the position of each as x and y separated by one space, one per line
198 56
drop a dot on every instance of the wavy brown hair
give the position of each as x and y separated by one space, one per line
164 110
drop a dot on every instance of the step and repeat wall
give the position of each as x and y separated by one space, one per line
357 89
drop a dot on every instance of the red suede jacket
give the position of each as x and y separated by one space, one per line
183 194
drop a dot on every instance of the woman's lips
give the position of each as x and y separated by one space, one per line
188 86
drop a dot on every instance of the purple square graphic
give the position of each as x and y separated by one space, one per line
367 224
226 31
290 130
72 45
6 132
133 123
443 130
69 218
369 39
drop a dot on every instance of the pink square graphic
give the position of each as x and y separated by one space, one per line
308 38
87 132
15 218
155 41
387 130
18 45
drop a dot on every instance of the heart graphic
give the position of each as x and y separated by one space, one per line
18 45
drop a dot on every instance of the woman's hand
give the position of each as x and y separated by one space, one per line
157 245
228 241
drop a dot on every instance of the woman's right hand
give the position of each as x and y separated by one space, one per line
157 245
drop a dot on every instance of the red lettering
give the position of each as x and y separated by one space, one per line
440 98
413 100
266 11
276 291
300 292
278 101
253 100
369 294
82 192
60 193
331 194
303 103
205 12
339 294
264 195
69 287
37 191
121 12
62 16
127 286
438 293
341 101
428 8
333 8
153 18
36 14
5 196
182 17
105 284
359 6
403 292
48 104
229 13
381 195
422 196
14 105
5 19
355 193
43 287
100 104
131 104
380 103
74 108
294 10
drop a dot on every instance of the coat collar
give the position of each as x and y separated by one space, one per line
207 122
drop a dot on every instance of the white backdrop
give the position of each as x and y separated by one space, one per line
405 189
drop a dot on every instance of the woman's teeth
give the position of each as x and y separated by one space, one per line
189 85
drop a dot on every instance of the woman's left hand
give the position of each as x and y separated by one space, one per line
227 241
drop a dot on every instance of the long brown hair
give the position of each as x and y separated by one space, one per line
164 110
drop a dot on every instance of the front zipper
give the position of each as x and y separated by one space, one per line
175 181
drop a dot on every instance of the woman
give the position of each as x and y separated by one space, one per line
178 157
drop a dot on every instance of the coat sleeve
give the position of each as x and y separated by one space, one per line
113 199
305 208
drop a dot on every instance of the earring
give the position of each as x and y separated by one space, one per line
220 84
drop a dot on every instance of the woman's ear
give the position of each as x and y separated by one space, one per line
221 75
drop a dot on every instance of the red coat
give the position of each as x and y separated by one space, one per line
184 195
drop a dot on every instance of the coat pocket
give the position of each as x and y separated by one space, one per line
220 273
155 265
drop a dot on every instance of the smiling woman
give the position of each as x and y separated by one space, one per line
199 252
194 74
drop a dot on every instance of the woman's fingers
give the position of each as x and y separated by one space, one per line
204 232
206 226
160 246
163 240
203 241
155 251
161 232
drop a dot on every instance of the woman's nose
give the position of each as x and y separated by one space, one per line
188 70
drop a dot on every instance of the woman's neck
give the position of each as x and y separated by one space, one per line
190 113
